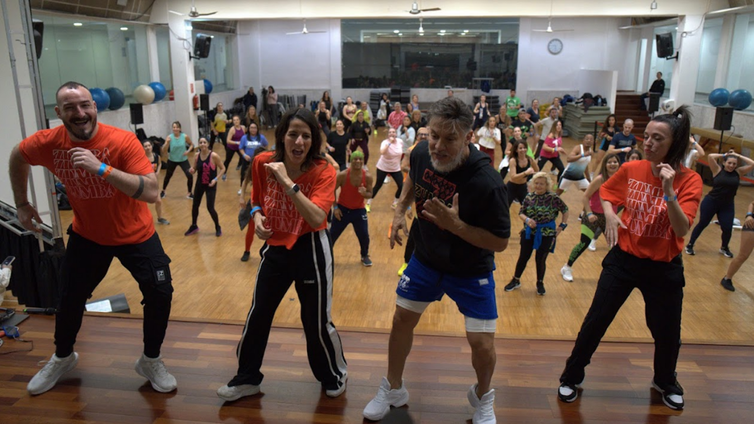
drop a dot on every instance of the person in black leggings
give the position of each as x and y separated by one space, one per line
521 169
210 167
720 200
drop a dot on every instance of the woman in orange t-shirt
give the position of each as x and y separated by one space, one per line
293 190
661 198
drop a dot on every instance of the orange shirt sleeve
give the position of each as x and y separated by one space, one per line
34 151
133 160
689 193
258 175
615 189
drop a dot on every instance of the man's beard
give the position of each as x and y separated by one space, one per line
450 166
79 133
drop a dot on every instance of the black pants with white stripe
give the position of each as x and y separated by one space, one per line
309 265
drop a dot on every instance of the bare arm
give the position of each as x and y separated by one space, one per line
744 169
367 192
19 176
594 186
575 154
219 164
712 162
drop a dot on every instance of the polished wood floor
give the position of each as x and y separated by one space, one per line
104 388
212 284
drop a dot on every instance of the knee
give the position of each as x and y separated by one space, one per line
404 319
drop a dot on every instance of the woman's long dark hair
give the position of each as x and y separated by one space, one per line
603 165
306 116
679 122
606 125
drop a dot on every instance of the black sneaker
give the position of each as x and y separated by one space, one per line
672 400
162 194
726 252
568 392
690 249
245 257
513 285
727 284
192 230
218 231
366 261
541 288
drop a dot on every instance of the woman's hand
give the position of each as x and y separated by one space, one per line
246 157
667 175
337 214
591 217
192 171
213 182
260 227
278 170
612 223
531 223
749 222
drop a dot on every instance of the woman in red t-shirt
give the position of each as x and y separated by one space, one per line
660 197
293 190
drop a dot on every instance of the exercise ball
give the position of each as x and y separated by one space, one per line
207 86
740 99
101 98
144 94
117 98
159 90
718 97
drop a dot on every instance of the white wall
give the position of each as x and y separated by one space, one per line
594 43
293 64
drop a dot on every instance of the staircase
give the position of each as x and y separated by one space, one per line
627 106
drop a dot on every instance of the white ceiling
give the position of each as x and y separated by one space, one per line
377 9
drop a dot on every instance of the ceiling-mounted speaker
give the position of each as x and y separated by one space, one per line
664 45
202 45
38 29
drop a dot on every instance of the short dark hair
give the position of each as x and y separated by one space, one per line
70 85
453 112
679 122
306 116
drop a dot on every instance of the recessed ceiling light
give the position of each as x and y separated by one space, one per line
465 31
124 28
442 31
77 24
421 34
395 31
400 34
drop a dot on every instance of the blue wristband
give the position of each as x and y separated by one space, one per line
670 199
102 169
254 209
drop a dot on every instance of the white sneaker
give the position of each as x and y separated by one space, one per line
566 272
239 191
485 412
154 370
339 391
46 378
231 393
593 245
387 180
378 407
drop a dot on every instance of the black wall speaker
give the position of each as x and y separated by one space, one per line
38 28
137 113
664 45
201 46
723 118
204 102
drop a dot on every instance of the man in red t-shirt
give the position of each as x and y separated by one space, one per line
109 181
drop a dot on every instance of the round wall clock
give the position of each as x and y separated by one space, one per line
555 46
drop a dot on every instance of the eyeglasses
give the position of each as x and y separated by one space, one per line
423 135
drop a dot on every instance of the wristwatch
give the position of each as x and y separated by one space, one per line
293 190
563 226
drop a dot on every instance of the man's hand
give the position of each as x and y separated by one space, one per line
25 214
442 216
399 223
337 214
84 159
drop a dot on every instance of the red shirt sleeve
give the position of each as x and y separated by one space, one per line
323 188
689 193
258 175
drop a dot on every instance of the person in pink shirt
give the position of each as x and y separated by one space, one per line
553 148
396 116
391 151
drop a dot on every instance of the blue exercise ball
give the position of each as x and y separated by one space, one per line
740 99
207 86
159 90
101 98
719 97
117 98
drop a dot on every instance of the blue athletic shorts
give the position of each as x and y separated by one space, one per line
474 296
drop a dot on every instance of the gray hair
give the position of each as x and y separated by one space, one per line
453 113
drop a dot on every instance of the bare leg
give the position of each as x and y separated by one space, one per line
747 244
401 339
158 207
482 359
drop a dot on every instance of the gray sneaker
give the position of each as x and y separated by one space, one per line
154 370
163 221
231 393
46 378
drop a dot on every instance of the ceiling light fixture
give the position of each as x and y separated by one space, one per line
395 31
653 6
77 24
124 28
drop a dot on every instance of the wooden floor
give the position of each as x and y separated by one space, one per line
104 388
211 283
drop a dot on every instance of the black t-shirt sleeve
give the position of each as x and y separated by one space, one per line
497 214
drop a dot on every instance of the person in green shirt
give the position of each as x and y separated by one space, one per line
512 104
